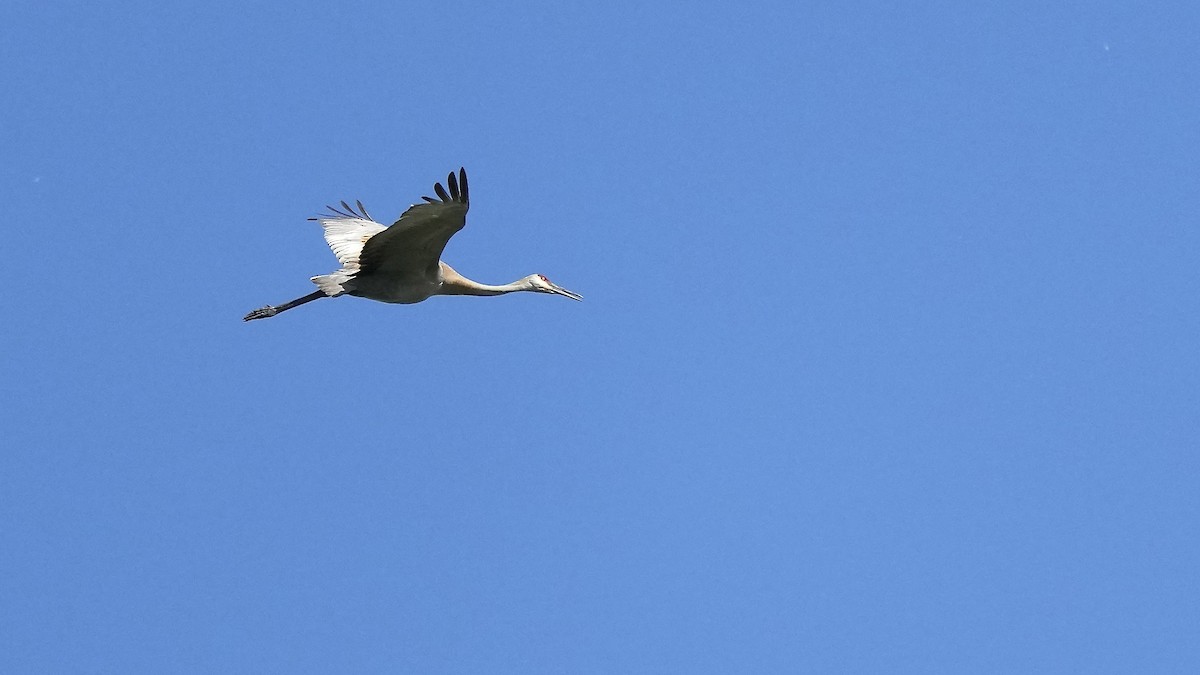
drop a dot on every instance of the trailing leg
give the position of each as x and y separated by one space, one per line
272 311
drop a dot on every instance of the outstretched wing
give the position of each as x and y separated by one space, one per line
346 231
413 245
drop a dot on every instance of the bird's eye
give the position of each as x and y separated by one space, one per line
543 278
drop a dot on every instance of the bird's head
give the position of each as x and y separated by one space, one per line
541 284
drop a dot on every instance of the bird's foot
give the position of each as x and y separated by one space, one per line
261 313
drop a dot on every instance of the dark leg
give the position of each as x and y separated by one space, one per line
272 311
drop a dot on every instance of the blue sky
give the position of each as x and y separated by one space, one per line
887 361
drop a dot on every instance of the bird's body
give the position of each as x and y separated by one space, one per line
402 263
397 290
408 290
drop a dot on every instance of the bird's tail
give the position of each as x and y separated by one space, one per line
335 284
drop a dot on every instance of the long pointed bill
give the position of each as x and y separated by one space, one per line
562 291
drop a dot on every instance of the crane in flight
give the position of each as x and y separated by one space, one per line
402 263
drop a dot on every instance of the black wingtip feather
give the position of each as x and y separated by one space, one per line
346 211
458 191
362 209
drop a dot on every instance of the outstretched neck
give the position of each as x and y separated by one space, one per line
475 288
454 283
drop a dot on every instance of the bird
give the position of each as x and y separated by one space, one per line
402 263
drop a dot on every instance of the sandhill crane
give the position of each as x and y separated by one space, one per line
402 263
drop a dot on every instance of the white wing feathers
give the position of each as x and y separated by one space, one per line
346 232
346 237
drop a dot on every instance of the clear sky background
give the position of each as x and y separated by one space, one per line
887 363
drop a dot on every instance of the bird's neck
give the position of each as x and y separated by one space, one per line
476 288
454 283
